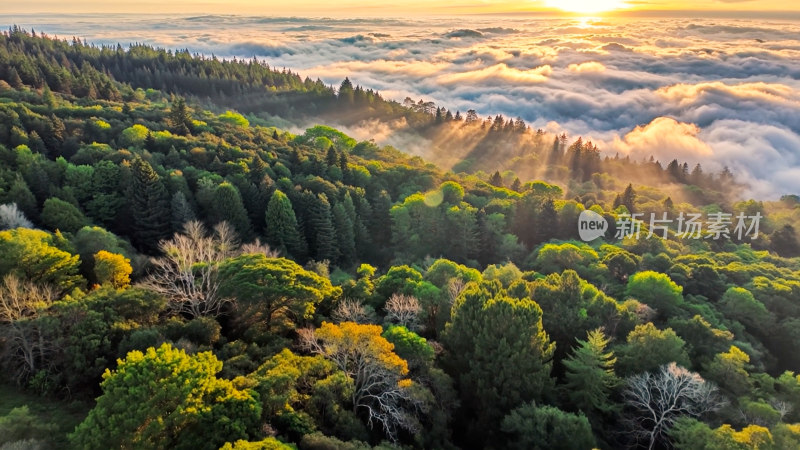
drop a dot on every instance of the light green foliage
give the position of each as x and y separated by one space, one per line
648 348
38 256
266 444
555 258
506 273
134 136
532 427
336 137
20 425
657 291
300 394
233 118
590 374
410 346
166 398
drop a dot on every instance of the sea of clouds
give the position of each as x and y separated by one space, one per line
721 92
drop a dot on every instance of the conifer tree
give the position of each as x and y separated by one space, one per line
281 229
150 206
228 207
590 374
179 118
324 233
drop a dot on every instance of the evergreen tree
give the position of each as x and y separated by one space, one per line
324 233
281 228
331 159
150 206
590 375
179 118
499 353
182 211
228 207
496 179
343 223
516 185
629 198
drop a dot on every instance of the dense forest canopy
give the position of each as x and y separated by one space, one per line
179 270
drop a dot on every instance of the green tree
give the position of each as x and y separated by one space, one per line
324 233
657 291
149 205
275 291
179 118
228 207
532 427
281 226
60 215
499 352
590 375
164 398
37 256
648 348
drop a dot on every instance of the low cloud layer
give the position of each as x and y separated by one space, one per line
717 92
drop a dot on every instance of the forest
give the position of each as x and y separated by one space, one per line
179 270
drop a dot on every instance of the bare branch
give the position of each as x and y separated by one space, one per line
404 310
351 310
657 400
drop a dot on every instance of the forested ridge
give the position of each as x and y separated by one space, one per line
179 272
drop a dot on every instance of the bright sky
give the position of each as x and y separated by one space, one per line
390 7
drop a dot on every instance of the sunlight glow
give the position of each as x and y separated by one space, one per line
587 6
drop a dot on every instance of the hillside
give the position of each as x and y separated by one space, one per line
209 276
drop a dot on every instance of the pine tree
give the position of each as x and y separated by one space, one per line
228 206
150 206
281 229
331 158
343 224
629 198
182 211
13 79
590 374
516 185
179 118
324 232
496 179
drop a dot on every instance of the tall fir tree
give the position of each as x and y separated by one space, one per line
324 233
343 223
590 375
179 118
150 206
282 230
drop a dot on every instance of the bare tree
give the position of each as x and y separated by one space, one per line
261 248
657 400
379 388
404 310
187 274
11 217
26 346
351 310
454 288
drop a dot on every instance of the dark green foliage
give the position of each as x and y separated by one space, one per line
281 227
532 427
150 206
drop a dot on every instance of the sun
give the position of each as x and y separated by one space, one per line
586 6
